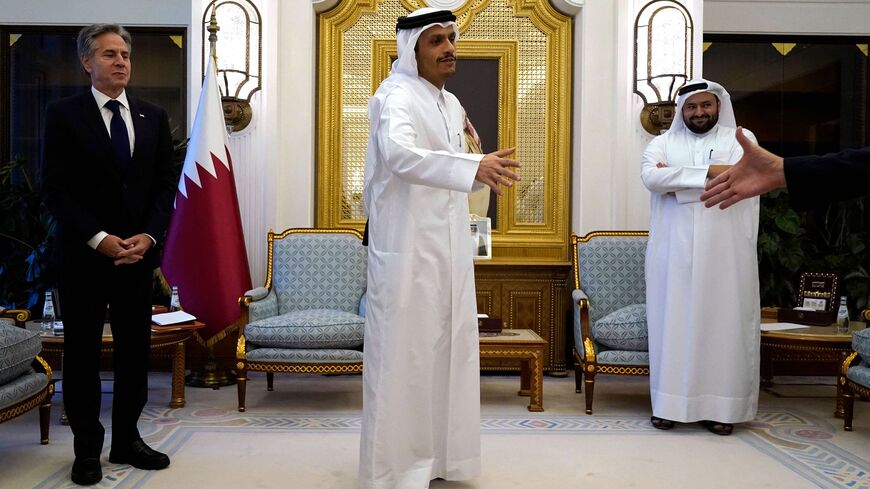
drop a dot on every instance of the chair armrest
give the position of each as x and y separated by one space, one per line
583 341
257 293
849 361
865 314
263 307
19 316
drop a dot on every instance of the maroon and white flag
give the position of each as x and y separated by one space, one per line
205 248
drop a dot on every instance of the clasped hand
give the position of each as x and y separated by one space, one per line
125 251
493 170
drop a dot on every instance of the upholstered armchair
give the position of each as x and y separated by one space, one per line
308 318
25 378
610 335
855 373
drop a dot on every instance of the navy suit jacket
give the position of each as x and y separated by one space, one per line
815 180
85 191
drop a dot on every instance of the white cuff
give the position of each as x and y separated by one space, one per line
97 239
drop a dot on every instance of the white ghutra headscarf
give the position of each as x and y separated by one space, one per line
692 87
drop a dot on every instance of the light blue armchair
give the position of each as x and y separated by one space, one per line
610 334
855 373
25 378
308 318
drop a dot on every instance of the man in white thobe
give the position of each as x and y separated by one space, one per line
701 271
421 377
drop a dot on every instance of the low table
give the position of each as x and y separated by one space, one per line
163 339
817 344
527 347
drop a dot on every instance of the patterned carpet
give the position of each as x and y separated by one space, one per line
272 447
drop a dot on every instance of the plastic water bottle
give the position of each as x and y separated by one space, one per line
843 317
174 301
48 313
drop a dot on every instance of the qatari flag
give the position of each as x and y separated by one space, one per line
205 248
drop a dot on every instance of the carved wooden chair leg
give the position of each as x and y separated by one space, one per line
241 383
578 378
270 381
848 407
590 387
44 420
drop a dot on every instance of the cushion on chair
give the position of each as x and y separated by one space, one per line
313 328
22 387
623 329
18 346
284 355
861 343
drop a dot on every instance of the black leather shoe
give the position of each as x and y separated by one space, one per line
139 455
86 471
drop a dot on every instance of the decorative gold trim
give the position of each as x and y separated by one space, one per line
178 41
305 368
589 350
862 48
240 347
707 46
622 370
20 316
783 47
13 38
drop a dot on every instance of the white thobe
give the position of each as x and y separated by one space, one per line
701 284
421 375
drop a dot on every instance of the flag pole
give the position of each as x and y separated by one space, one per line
210 375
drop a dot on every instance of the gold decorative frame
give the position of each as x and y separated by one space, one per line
531 41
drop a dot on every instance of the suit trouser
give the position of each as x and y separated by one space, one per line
126 289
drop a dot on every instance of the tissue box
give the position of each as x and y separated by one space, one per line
489 325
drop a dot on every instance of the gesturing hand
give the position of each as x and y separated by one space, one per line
493 170
758 171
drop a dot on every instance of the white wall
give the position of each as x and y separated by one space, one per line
63 12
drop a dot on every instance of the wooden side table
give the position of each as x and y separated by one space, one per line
818 344
161 339
527 347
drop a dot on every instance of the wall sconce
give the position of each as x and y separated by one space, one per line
662 60
238 55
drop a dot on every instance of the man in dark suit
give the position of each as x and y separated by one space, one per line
811 180
109 179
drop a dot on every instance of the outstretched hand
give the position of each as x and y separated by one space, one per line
758 171
493 170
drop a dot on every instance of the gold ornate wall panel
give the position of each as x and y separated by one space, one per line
532 43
